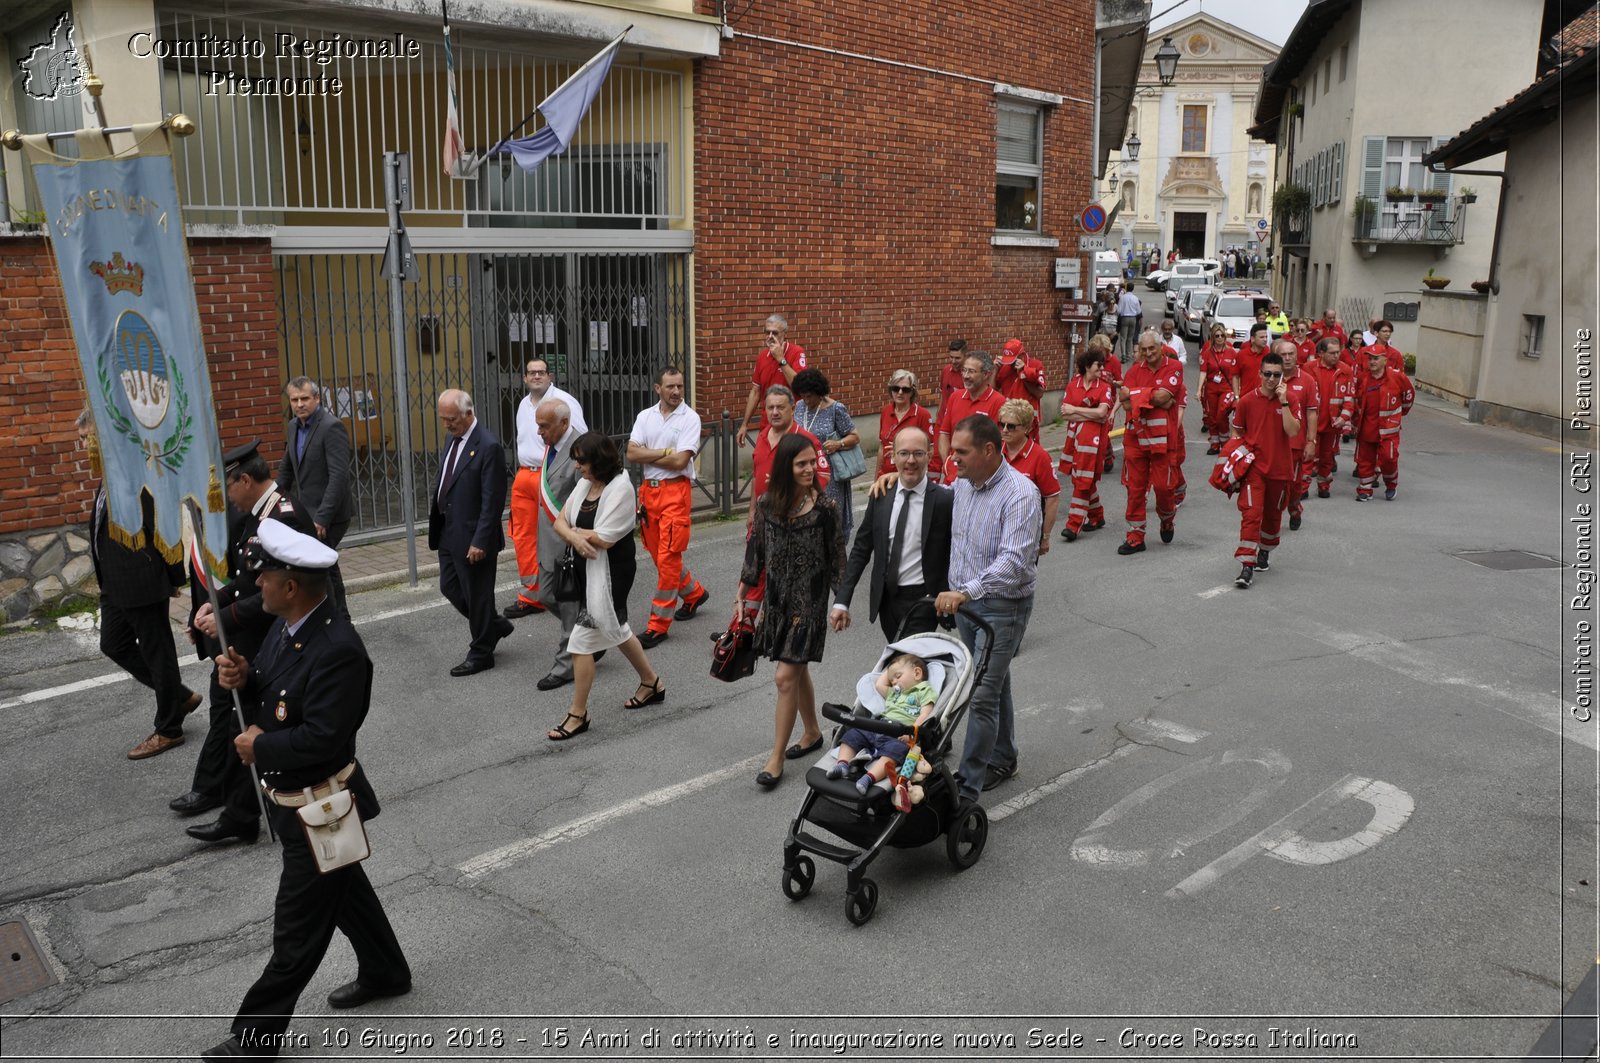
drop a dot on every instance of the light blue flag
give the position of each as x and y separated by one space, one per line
563 110
119 244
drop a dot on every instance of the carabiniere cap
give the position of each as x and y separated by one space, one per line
276 545
238 456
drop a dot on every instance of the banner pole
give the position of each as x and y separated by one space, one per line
396 261
198 530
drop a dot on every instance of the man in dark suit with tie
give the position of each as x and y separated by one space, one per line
316 468
558 478
464 526
906 535
136 583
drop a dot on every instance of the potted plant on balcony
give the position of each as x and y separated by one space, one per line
1290 203
1397 194
1430 196
1481 287
1435 283
1468 195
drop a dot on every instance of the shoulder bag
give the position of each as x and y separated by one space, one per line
569 578
733 653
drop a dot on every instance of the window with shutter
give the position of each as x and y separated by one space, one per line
1336 188
1372 168
1019 163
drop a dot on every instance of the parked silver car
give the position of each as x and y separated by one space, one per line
1190 312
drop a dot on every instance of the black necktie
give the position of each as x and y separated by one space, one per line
448 477
897 547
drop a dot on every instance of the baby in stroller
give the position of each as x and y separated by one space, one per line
908 698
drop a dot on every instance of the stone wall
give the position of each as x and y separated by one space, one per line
42 568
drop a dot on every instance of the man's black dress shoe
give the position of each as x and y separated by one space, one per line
471 667
232 1049
224 830
505 629
193 803
551 681
354 994
519 608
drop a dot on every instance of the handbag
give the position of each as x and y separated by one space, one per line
733 653
847 464
569 580
334 830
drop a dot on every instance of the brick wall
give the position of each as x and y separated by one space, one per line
44 482
857 198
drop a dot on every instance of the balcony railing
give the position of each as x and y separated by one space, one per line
1444 224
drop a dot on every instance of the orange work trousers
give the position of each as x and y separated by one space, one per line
664 527
524 528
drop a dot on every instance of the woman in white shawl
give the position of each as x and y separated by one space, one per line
598 522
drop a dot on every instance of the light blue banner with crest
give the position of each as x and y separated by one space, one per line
119 243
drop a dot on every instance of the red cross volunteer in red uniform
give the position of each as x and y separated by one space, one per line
1266 420
1149 398
776 365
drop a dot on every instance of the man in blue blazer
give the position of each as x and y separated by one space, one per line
464 526
316 469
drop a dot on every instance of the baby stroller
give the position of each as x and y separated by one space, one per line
870 822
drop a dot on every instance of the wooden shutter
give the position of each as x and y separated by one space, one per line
1440 215
1372 168
1336 187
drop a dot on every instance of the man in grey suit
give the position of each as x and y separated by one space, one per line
464 526
906 535
316 471
559 477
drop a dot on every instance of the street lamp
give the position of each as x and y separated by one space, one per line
1131 148
1166 61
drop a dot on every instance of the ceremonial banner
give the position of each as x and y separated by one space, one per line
118 237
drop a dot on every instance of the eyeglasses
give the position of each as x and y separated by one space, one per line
1007 426
774 332
536 372
900 388
910 455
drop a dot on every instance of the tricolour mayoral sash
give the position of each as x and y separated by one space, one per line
115 224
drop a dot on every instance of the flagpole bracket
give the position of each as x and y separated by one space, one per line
11 139
181 124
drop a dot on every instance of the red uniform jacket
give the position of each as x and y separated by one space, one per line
1304 397
1380 404
1150 427
1337 389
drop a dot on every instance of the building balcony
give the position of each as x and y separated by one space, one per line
1441 226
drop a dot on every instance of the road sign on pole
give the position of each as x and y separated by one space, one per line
1091 243
1093 218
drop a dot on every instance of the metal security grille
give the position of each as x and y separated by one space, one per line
607 324
276 146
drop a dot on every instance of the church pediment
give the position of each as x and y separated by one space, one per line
1201 38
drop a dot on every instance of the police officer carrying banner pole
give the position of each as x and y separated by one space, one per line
309 690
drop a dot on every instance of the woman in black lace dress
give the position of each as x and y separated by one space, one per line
798 541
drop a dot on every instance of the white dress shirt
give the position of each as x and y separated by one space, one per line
531 448
911 553
680 430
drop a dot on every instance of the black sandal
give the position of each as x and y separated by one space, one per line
562 733
655 698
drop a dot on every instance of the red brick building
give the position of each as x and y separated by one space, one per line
887 177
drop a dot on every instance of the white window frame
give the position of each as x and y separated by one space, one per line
1531 344
1397 150
1035 170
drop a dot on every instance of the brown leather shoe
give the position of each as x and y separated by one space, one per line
153 745
193 703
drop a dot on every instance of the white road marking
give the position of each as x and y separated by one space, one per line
1546 711
1089 850
1391 806
109 678
1154 729
1044 790
505 855
1215 591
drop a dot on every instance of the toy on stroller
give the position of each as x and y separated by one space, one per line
868 822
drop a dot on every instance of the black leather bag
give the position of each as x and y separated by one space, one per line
569 577
733 653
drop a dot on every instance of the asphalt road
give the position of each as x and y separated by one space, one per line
1342 802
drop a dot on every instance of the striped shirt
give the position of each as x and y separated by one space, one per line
994 552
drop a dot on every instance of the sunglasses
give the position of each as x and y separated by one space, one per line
1007 426
1270 376
900 388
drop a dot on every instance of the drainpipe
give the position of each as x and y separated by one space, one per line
1499 218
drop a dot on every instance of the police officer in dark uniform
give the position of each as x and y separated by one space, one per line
307 692
220 780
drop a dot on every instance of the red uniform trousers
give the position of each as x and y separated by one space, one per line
1327 455
1261 504
524 528
1142 470
665 531
1300 483
1082 463
1177 451
1375 456
1214 412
